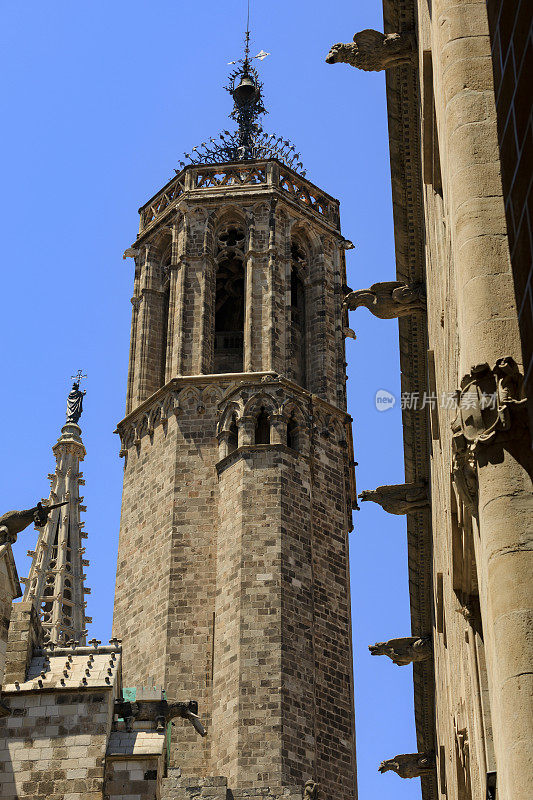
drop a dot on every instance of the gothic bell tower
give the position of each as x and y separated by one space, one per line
232 584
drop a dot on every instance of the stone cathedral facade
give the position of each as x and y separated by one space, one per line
232 606
460 130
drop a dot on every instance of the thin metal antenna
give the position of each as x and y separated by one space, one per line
247 38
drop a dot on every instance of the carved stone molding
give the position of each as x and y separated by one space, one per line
374 51
389 299
405 650
401 498
238 396
488 402
409 765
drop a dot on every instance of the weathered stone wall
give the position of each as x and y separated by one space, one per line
173 788
511 33
9 589
135 779
260 550
53 745
142 584
482 559
25 633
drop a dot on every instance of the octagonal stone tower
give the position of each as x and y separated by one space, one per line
232 584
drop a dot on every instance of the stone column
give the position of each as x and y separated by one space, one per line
179 249
248 301
278 429
246 427
173 305
488 330
136 303
143 320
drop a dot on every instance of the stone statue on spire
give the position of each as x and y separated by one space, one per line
75 400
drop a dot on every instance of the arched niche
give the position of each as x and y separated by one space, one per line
298 323
230 238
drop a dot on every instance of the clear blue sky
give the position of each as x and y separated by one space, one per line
101 100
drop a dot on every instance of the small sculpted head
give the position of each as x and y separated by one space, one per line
40 516
338 53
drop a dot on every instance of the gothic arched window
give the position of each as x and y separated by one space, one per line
233 438
297 315
262 428
229 302
292 433
165 301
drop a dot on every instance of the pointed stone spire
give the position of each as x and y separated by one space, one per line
56 580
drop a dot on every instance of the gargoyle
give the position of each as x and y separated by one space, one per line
400 498
14 522
310 791
404 651
409 765
389 299
374 51
159 712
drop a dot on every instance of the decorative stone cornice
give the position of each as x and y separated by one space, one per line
389 299
374 51
202 183
165 402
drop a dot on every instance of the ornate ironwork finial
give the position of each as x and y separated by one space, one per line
249 141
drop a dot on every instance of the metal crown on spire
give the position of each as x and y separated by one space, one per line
249 141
